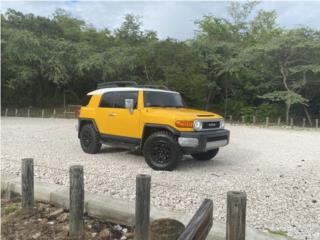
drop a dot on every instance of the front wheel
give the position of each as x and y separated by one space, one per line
205 156
162 151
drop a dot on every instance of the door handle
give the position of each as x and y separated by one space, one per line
112 114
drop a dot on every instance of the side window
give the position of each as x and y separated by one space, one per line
122 96
117 99
107 100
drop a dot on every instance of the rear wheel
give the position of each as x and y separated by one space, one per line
205 156
89 139
161 151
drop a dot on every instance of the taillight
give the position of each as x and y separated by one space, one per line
77 112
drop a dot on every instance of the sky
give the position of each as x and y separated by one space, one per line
167 18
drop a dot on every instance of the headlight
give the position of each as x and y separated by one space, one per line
222 124
197 125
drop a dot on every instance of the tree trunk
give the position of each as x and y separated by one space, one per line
288 106
307 115
208 99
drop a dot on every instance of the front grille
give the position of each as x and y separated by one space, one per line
211 125
217 138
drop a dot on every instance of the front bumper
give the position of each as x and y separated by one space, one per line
192 142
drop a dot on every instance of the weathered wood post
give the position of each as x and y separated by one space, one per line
279 121
142 211
16 114
230 119
267 121
242 119
303 122
64 113
317 123
236 215
54 113
254 120
28 114
76 221
200 224
42 113
6 113
291 122
27 185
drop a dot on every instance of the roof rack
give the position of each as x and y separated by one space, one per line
117 84
154 86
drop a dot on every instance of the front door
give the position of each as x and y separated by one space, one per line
114 119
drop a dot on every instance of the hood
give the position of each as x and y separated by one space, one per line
184 113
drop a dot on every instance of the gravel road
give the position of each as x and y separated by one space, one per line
278 168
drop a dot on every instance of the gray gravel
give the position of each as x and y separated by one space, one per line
278 168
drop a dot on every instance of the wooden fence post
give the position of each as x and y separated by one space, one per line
76 221
254 120
303 122
142 212
279 121
200 224
236 215
267 121
28 112
242 119
27 185
42 113
230 119
16 114
317 123
64 113
6 113
54 113
291 122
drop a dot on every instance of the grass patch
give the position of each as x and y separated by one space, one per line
11 209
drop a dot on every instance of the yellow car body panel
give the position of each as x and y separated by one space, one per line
121 122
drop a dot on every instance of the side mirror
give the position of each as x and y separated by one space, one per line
129 104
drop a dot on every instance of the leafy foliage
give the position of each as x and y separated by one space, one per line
243 65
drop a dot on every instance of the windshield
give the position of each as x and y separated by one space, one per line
162 99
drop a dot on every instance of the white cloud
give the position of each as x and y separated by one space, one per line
174 19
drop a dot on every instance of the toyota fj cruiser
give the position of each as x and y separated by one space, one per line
149 119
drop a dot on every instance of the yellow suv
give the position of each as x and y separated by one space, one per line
149 119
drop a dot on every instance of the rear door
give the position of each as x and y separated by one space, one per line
114 119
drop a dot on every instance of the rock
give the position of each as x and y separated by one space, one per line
96 226
314 201
44 221
129 235
36 236
281 175
123 238
51 223
105 234
117 227
94 234
124 230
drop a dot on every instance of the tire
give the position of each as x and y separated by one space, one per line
205 156
162 151
89 139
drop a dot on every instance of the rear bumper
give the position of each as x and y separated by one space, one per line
192 142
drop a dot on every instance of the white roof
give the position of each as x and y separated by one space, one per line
122 89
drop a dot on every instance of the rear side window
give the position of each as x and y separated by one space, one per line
117 99
85 100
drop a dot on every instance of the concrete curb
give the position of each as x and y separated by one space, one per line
117 210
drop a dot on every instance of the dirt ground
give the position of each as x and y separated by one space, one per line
50 222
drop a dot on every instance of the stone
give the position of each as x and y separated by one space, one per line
36 236
105 234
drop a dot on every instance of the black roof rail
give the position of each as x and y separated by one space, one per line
154 86
117 84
